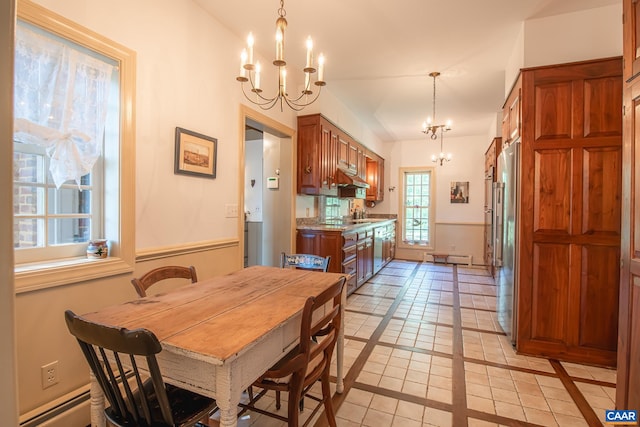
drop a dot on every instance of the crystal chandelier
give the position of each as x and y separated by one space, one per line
250 72
441 158
429 127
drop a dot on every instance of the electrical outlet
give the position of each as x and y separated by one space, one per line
231 211
49 373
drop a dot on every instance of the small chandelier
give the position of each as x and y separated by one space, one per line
429 127
441 158
250 72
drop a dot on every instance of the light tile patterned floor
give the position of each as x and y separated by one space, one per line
423 349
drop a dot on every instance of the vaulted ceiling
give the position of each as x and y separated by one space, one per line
379 53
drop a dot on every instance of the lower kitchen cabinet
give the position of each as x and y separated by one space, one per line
352 251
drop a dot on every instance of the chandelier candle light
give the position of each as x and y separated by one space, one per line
441 158
429 127
250 72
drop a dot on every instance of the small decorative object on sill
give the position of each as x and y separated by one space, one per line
97 249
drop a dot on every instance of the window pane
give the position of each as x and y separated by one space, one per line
28 200
28 233
68 230
28 167
69 201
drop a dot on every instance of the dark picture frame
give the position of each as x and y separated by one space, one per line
196 154
459 191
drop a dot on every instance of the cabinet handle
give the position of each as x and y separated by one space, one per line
307 169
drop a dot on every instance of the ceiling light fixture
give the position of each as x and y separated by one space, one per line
429 127
250 72
441 158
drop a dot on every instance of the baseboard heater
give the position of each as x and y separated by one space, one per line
450 258
49 415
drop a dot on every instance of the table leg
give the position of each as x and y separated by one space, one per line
340 345
97 403
227 397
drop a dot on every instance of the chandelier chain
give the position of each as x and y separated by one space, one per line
281 11
434 99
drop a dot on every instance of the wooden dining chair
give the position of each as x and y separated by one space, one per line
150 402
161 273
305 261
309 361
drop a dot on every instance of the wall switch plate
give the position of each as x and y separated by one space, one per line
231 211
49 373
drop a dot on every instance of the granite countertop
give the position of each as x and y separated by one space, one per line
346 225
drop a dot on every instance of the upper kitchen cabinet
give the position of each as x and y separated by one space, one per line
375 179
323 148
318 141
511 114
631 39
570 209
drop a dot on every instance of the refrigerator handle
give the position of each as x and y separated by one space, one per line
498 214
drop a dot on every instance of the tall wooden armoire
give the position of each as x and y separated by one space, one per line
569 121
628 384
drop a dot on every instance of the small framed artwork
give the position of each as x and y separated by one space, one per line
195 154
459 192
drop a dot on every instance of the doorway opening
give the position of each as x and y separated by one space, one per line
268 196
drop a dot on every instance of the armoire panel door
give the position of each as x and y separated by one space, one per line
598 327
550 292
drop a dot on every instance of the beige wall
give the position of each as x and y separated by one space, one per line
8 379
458 240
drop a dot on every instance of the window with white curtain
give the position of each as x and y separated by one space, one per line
74 151
61 108
417 206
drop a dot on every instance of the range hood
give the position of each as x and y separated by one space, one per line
348 178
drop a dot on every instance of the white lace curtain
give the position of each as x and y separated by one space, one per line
60 102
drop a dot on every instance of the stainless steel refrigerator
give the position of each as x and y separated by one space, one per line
506 211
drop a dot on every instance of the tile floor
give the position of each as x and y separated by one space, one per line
423 348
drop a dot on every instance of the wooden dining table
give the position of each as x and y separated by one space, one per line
220 334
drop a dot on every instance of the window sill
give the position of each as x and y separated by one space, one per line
43 275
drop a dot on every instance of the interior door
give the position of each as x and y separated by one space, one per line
628 383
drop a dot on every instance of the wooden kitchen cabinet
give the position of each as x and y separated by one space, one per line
364 256
317 156
490 163
375 178
352 251
512 114
322 149
570 209
628 368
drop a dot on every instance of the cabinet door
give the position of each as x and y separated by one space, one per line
328 153
353 156
631 31
372 179
380 192
343 151
628 385
361 162
309 170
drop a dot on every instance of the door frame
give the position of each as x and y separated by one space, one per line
262 122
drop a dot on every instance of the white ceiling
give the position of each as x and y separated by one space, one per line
379 53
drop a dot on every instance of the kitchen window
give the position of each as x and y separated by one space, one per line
73 151
417 206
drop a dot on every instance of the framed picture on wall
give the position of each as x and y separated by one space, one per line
195 154
459 192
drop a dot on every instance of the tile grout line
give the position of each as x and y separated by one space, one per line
576 395
459 387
